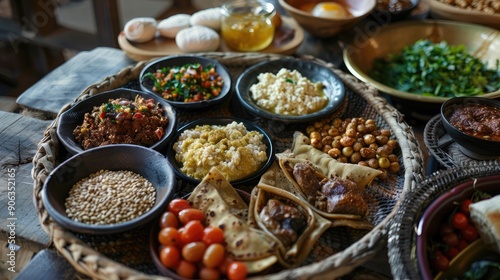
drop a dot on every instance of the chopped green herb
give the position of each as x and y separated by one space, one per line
288 80
436 69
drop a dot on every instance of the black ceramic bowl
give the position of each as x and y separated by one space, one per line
152 165
154 244
73 117
438 212
180 60
383 12
333 87
470 145
222 121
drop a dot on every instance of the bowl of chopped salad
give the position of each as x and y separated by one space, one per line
429 61
187 81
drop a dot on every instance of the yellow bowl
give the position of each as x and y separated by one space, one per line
482 42
328 27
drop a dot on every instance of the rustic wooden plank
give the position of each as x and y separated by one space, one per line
66 82
19 136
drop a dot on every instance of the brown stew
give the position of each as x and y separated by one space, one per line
478 120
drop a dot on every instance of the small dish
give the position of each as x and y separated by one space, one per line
323 26
146 162
450 12
439 209
393 13
74 117
474 147
180 60
334 88
222 121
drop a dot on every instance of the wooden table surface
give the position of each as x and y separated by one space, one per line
21 133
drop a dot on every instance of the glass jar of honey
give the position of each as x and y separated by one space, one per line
247 25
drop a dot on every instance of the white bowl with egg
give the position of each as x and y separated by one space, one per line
326 19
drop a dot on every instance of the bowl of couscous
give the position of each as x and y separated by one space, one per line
240 150
290 90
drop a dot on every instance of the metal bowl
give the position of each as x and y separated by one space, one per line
482 42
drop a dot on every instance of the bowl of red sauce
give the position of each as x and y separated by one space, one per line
474 123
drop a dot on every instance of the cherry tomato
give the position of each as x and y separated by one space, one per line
194 251
213 235
450 239
445 229
459 220
469 233
237 271
169 236
214 255
177 204
186 269
169 219
451 253
170 256
190 214
192 231
209 273
439 261
464 207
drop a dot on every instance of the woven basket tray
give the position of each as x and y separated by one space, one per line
402 233
338 251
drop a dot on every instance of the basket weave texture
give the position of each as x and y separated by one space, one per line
338 251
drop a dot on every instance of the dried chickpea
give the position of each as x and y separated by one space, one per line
327 140
347 141
373 146
316 143
384 162
369 139
333 131
336 144
393 158
315 135
351 132
327 148
357 146
361 128
334 152
394 167
385 132
363 163
381 139
382 151
337 122
342 159
347 151
367 153
383 175
373 163
393 143
356 157
370 127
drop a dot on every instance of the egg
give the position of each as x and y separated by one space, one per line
329 10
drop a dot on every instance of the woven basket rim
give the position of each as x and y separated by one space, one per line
98 266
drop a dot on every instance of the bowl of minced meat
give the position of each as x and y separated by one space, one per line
121 116
290 90
238 148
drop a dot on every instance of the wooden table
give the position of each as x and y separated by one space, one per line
20 134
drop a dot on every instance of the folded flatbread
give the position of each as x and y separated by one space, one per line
227 210
292 253
485 215
301 148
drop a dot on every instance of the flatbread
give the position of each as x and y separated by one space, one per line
227 210
362 175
